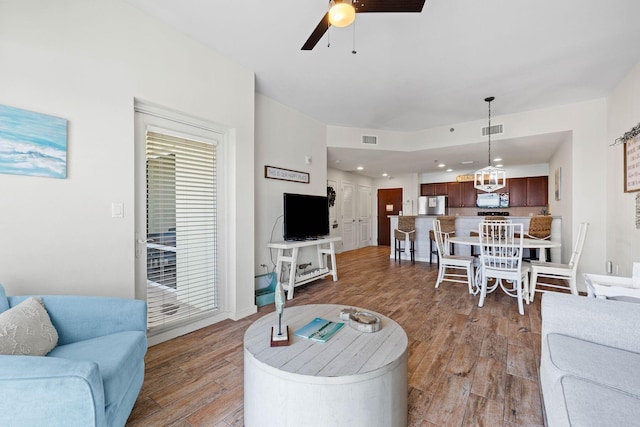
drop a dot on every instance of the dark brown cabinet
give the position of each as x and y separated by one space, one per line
435 189
517 192
461 194
531 191
537 191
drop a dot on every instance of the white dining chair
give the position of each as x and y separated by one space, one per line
563 275
452 262
612 287
501 259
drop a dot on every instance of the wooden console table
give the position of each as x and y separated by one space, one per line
353 379
292 258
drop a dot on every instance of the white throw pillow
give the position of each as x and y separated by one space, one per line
26 329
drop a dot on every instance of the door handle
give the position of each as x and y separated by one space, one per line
145 240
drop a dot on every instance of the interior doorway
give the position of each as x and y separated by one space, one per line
349 229
389 203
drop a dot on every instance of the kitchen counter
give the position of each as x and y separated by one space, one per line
464 225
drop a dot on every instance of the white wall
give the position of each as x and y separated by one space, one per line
563 207
86 62
284 137
623 238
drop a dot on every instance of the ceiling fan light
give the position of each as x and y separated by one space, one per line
341 14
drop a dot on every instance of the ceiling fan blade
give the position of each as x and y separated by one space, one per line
369 6
365 6
317 34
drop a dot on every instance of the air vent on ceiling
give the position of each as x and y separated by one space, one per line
368 139
495 129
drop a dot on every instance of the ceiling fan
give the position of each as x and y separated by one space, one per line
364 6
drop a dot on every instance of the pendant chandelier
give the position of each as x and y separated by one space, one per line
489 179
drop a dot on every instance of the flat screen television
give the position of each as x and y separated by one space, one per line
305 216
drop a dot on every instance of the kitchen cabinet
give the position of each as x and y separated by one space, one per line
434 189
537 191
461 194
517 192
530 191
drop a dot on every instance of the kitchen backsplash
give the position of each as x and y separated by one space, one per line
519 211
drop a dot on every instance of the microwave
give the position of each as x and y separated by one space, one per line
488 200
493 200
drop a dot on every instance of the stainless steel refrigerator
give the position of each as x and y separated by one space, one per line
433 205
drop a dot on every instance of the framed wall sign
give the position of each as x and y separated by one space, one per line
632 165
285 174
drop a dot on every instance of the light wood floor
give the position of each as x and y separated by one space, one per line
468 366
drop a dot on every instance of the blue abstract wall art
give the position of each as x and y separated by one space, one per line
32 143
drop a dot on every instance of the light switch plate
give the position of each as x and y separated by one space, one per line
117 210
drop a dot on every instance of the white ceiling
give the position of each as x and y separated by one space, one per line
534 150
415 71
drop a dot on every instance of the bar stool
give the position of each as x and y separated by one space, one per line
539 228
447 225
406 227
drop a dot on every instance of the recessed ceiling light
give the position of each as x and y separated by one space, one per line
337 160
449 170
499 166
467 162
385 174
441 165
497 159
360 168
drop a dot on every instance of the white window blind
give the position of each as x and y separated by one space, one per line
181 230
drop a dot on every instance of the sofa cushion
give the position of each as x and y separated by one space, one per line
594 362
26 329
118 356
592 404
4 302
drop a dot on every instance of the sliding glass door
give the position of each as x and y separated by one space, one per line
177 228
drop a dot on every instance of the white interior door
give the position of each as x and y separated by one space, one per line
349 230
364 216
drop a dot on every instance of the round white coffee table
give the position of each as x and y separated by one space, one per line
353 379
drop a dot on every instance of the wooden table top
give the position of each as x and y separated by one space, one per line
347 353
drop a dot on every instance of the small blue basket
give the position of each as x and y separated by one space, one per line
265 289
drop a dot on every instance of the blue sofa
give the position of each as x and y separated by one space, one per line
91 378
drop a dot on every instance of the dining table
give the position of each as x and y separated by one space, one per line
527 243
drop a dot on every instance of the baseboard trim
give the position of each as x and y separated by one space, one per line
240 314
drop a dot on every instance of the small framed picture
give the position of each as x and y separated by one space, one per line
558 183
